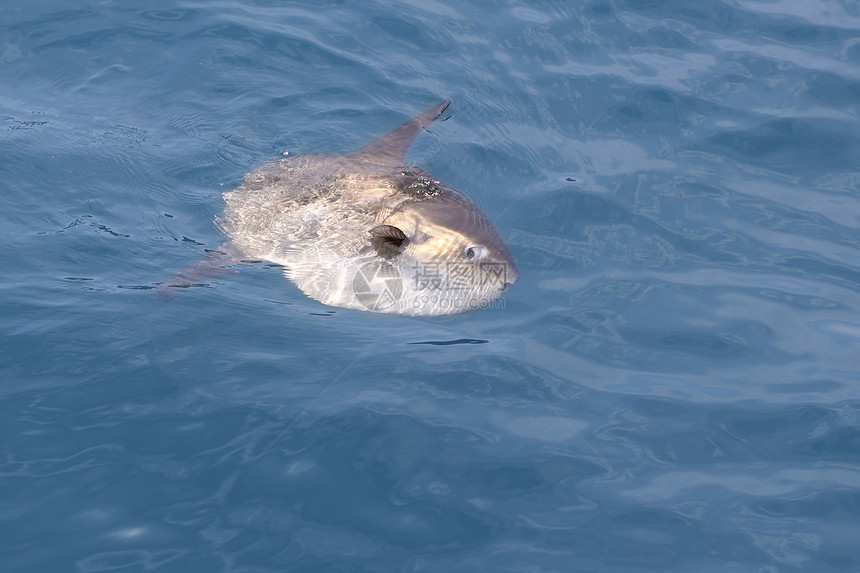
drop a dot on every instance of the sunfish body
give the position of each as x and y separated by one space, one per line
365 231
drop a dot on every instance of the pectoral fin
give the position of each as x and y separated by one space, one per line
388 233
388 240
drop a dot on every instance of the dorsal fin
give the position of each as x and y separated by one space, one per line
390 149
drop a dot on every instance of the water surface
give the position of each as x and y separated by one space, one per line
672 384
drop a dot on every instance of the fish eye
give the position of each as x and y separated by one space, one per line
473 252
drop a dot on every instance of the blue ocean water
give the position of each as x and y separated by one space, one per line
672 385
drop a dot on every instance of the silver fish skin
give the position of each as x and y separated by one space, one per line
367 231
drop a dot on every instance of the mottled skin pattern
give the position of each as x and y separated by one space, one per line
366 231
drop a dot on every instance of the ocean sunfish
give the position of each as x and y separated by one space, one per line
365 231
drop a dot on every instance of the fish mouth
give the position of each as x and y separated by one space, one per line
512 273
503 274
